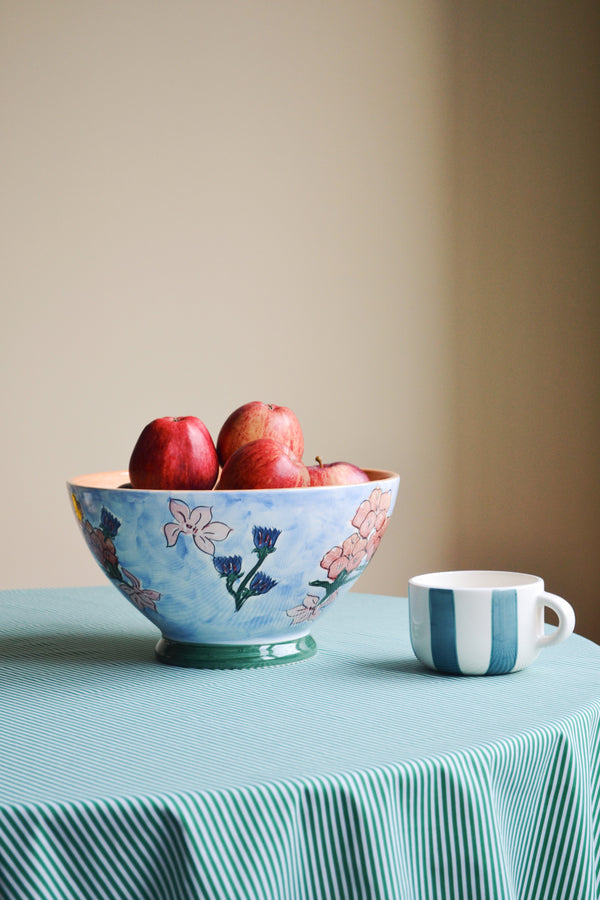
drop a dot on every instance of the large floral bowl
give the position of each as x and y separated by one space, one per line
233 579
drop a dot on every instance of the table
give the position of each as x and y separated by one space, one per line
354 774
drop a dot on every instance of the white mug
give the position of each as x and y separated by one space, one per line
482 623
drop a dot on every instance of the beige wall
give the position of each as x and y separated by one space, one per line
527 211
337 207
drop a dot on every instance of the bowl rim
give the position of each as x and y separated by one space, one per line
119 480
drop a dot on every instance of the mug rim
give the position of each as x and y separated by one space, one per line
475 580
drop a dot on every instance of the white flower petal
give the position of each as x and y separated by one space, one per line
202 543
299 614
217 531
172 531
179 511
134 581
200 516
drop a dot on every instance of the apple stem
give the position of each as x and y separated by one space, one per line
320 461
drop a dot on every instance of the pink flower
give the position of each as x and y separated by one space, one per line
143 599
372 513
309 609
349 556
375 539
197 522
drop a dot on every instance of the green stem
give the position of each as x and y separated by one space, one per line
229 583
114 572
242 594
332 586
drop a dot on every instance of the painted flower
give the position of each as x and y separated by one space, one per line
347 557
102 547
228 565
265 538
375 539
196 522
261 584
372 513
109 524
309 609
143 599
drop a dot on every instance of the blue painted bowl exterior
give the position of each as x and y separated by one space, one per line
222 567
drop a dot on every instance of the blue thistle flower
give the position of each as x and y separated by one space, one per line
261 584
228 565
109 524
265 538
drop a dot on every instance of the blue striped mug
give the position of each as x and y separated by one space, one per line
482 623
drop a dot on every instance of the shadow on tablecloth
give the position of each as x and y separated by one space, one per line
78 647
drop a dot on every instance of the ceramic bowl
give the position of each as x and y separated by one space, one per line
233 579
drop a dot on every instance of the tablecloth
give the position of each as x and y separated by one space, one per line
354 774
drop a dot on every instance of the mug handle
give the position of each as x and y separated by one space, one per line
566 619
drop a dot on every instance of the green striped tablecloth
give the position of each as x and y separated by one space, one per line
354 774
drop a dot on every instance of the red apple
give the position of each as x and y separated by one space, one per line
335 473
263 463
174 453
259 420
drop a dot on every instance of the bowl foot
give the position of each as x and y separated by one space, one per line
234 656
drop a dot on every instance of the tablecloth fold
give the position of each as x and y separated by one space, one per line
512 820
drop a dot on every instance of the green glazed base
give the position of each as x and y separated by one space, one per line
234 656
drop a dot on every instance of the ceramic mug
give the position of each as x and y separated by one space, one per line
482 623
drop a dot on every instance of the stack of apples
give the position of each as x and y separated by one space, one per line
259 446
